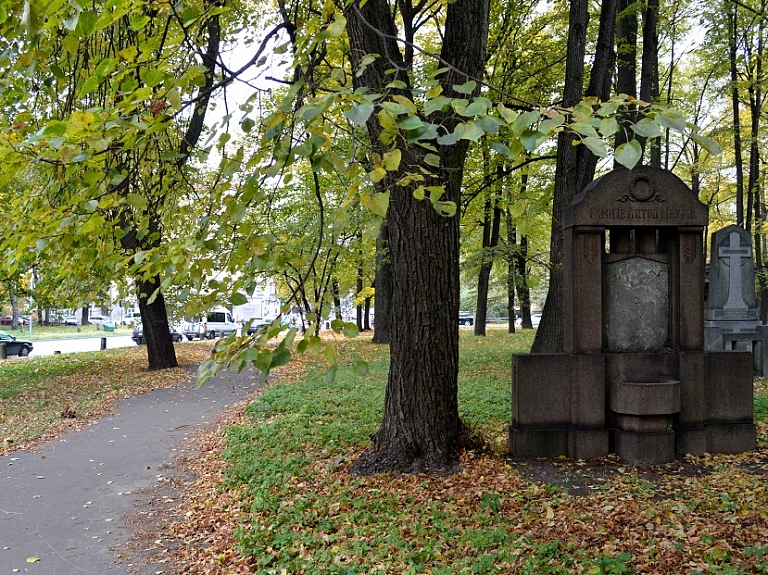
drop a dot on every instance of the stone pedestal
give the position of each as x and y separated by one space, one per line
634 377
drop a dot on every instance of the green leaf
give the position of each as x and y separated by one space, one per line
708 144
532 139
330 375
377 203
647 128
608 127
524 120
151 76
350 329
629 154
500 148
672 119
432 160
584 129
596 146
474 109
337 27
361 368
359 115
247 125
445 208
551 124
437 104
410 123
472 131
466 87
392 160
238 299
377 174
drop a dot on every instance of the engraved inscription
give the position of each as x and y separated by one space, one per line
641 213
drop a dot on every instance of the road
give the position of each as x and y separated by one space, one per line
47 347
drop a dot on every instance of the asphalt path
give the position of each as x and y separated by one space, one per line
63 507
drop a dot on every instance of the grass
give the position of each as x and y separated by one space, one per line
299 510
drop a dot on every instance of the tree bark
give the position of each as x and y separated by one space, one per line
575 165
383 284
491 225
549 336
421 426
738 161
160 351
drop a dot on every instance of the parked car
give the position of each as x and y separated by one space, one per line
466 318
97 319
15 346
70 320
6 320
256 325
138 334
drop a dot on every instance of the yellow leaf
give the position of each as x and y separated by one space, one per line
550 513
33 559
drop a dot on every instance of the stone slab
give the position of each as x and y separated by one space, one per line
538 442
731 438
541 386
728 390
644 398
644 447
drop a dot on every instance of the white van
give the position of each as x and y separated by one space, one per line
218 323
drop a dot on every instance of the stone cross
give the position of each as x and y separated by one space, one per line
735 253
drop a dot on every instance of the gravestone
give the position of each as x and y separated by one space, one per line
731 319
634 377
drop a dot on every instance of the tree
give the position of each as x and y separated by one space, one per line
421 427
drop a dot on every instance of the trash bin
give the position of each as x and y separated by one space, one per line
109 326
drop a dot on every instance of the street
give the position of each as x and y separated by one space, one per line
47 347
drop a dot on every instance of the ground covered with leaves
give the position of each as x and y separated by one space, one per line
272 492
43 397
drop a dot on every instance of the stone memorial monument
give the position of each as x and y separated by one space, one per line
730 317
634 377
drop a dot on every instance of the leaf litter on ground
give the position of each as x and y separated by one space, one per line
259 504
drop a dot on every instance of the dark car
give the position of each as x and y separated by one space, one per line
138 334
15 346
256 325
466 318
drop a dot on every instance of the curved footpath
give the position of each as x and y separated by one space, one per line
63 505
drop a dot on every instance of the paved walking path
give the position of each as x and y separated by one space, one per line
62 506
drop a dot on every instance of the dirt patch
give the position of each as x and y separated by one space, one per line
581 477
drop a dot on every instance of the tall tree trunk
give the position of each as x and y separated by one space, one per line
732 58
511 278
626 61
649 69
491 225
160 351
521 283
383 285
549 336
575 165
421 426
359 290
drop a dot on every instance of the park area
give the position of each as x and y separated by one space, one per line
272 492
